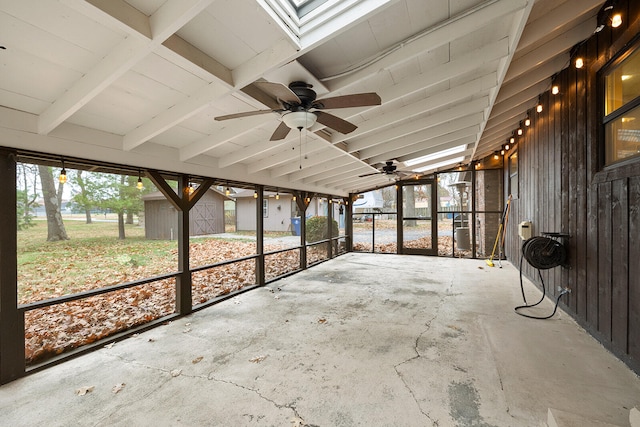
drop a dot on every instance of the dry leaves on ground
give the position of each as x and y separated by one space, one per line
117 388
53 330
84 390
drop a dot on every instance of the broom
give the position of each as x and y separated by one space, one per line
504 231
505 214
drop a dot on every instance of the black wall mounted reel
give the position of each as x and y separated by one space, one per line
542 252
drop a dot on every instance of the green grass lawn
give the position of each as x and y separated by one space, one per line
92 257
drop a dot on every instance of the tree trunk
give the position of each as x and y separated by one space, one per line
129 218
55 226
83 192
121 235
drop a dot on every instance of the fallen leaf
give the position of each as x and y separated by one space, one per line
197 360
257 359
84 390
322 320
116 388
297 422
187 324
152 340
110 345
176 372
276 297
186 330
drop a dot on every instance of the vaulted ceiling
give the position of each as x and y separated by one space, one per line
140 82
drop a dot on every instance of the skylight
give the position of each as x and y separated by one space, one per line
433 166
302 7
309 21
434 156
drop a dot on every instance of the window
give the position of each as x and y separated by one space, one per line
265 208
513 175
622 108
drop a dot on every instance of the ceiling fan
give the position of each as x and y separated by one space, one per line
300 108
389 168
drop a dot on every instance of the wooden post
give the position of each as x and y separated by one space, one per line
12 363
330 224
260 276
400 214
302 207
348 224
183 202
183 280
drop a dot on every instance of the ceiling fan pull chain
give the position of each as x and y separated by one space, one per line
300 150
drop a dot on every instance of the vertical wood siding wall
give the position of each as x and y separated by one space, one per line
563 188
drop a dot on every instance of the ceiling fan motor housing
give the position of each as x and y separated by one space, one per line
305 93
389 168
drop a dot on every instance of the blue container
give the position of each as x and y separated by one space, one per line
295 225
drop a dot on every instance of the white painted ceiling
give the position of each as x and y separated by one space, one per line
139 82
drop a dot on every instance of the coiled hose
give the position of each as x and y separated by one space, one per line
542 253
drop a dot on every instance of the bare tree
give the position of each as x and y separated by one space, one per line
27 193
55 226
83 199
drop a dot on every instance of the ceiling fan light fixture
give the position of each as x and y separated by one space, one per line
299 119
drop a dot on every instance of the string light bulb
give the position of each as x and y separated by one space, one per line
190 189
496 156
555 90
539 107
63 175
255 194
227 191
139 184
527 122
616 20
277 195
294 198
579 62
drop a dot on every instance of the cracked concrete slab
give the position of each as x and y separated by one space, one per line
364 339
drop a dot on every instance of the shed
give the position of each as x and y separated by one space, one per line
276 213
277 210
161 217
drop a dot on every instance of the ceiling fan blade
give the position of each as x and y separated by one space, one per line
279 91
369 174
245 114
345 101
335 122
281 132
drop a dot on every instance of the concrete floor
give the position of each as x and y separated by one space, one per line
362 340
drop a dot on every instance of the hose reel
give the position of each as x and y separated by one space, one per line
542 253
